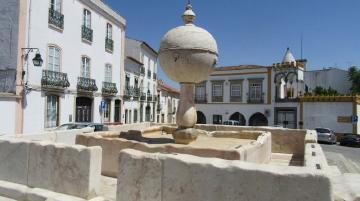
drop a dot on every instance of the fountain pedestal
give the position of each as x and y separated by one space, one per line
188 55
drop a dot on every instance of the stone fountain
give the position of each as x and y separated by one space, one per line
188 55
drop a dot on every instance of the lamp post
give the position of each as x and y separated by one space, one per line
37 61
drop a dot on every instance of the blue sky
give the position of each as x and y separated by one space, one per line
257 31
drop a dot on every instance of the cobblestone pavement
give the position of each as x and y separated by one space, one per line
347 159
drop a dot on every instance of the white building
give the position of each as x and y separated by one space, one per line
335 78
140 93
168 102
272 95
82 46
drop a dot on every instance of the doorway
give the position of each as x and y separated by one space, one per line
83 109
286 117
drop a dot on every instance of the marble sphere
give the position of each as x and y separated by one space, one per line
188 54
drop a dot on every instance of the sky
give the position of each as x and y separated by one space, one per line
256 31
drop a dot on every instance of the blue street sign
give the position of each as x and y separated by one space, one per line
354 119
103 103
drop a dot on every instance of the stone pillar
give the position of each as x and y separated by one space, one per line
186 114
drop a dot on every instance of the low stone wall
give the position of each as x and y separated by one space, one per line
127 127
287 141
61 136
145 176
314 157
257 152
72 170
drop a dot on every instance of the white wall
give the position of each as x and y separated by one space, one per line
8 115
331 77
73 48
227 110
325 114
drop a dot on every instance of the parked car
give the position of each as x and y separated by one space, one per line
350 139
326 135
71 126
231 122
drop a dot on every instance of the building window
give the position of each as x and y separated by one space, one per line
255 92
200 93
52 111
235 92
109 43
217 119
54 58
108 73
109 31
87 19
55 5
85 67
87 32
217 92
56 19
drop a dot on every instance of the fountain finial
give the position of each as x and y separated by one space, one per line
189 15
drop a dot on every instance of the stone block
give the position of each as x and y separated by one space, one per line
139 177
13 190
37 194
185 177
14 156
73 170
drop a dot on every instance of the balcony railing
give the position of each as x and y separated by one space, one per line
56 18
149 74
109 88
109 44
286 100
136 92
149 97
256 100
142 70
200 99
154 76
143 96
86 84
54 79
87 33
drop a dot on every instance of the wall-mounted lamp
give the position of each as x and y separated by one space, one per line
37 60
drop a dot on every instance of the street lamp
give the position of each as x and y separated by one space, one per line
37 60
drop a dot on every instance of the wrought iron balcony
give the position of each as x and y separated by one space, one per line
154 76
149 97
286 100
109 88
109 44
149 74
86 84
136 92
53 79
142 96
142 70
87 33
56 18
256 100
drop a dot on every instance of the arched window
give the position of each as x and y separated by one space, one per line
54 56
108 73
85 67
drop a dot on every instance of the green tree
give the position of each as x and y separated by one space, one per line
354 77
320 91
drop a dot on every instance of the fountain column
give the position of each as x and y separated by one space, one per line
188 55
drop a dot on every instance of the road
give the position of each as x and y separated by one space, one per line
347 159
